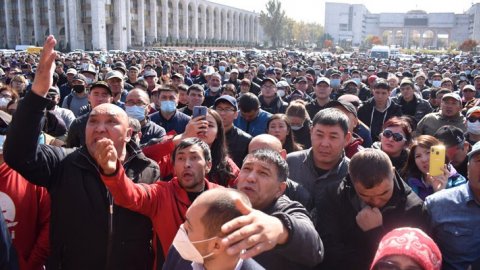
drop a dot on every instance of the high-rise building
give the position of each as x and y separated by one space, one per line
352 23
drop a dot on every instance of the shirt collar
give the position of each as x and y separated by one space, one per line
198 266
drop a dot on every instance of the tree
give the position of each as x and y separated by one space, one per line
273 21
373 40
328 43
468 45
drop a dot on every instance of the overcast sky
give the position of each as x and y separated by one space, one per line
314 10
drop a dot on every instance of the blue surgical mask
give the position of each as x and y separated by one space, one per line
357 80
136 112
168 106
467 72
436 83
335 83
221 68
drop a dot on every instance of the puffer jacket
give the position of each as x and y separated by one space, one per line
88 231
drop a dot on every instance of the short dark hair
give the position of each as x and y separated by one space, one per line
221 209
362 164
196 87
272 157
248 102
331 117
190 142
381 84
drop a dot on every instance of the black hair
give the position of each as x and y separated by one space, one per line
196 87
381 84
361 164
248 102
331 117
272 157
190 142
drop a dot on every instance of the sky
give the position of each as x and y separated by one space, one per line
314 10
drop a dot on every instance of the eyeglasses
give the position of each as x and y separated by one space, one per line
396 136
131 103
224 110
473 119
388 265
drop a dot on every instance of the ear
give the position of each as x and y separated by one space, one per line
283 153
208 166
348 137
281 189
129 135
235 115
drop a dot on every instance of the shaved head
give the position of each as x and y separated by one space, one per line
265 141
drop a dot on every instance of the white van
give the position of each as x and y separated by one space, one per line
380 52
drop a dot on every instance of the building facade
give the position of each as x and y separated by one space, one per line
119 24
353 23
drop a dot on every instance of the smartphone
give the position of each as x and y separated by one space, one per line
199 111
437 160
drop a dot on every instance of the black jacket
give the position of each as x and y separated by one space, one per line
175 262
276 106
422 107
84 233
304 249
151 131
237 144
367 110
76 132
346 245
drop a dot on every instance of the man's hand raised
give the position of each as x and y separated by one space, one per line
106 156
46 67
254 232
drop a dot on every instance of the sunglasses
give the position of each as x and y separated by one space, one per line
396 136
473 119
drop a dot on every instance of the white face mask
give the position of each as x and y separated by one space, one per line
281 93
473 128
186 249
214 89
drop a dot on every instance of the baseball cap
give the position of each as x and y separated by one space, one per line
234 71
473 110
54 90
101 84
452 95
469 87
150 73
450 135
80 77
346 105
114 74
301 79
228 99
371 68
90 68
282 84
120 66
72 71
269 80
407 81
475 150
178 75
349 82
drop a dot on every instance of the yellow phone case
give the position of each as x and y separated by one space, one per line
437 160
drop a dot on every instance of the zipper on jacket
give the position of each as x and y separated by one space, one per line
110 231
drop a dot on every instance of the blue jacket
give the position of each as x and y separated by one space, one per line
257 126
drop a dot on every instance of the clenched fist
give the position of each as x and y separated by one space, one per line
106 156
369 218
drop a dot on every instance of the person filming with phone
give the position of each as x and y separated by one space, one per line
428 169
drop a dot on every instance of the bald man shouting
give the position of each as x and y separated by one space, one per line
87 230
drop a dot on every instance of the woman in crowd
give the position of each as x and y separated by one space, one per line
19 84
407 248
395 140
210 130
300 123
416 170
279 126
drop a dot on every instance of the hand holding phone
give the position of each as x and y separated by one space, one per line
437 160
199 111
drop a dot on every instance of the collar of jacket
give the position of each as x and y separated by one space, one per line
457 118
335 171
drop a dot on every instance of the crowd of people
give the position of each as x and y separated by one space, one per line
299 162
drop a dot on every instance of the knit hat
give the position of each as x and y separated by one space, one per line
410 242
